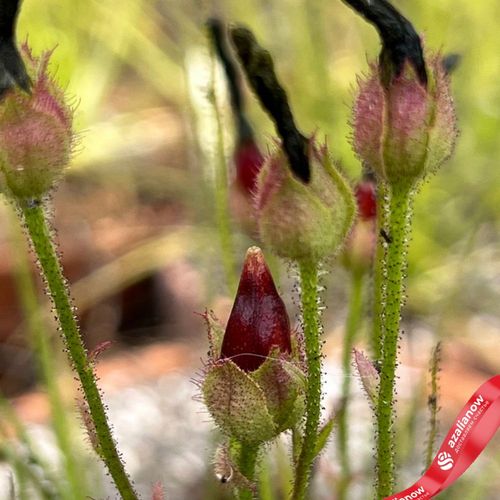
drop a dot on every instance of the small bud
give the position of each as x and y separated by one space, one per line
255 388
304 221
36 135
226 470
368 374
158 492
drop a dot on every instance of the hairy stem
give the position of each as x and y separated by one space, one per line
40 235
352 326
379 270
311 324
396 264
41 346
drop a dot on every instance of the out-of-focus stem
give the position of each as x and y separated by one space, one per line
352 326
433 404
221 192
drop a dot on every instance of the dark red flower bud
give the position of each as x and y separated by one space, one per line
258 320
248 161
366 199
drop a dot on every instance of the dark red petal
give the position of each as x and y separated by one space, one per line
248 160
258 320
366 199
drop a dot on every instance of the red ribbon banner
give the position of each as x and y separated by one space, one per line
475 425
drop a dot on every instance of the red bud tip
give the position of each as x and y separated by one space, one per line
248 160
258 320
366 199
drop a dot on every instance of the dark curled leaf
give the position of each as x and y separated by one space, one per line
400 41
259 69
12 70
218 35
451 62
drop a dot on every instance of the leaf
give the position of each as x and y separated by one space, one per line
237 404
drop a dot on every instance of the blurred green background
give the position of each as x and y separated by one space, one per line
119 61
139 72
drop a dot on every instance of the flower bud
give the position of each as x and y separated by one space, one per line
406 128
254 388
36 135
304 221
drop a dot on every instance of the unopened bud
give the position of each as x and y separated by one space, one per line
406 129
36 135
254 388
304 221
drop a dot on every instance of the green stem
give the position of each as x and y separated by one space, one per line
352 327
311 324
266 487
247 460
41 347
379 270
221 192
396 264
40 235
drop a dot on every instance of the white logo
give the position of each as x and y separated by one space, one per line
445 461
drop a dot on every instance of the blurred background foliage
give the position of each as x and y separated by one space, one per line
120 60
139 74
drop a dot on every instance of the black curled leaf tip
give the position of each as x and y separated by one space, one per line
451 62
12 69
217 32
259 69
400 41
